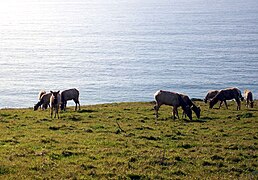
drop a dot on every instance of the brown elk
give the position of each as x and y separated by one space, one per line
44 101
228 94
55 101
189 102
172 99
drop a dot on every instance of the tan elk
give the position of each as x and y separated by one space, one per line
172 99
249 98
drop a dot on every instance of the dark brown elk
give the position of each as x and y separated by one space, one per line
189 102
70 94
228 94
41 93
210 95
249 98
55 101
172 99
44 102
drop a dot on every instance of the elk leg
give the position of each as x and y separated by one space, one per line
173 113
176 113
74 100
156 108
225 102
238 104
57 113
77 102
220 104
65 102
183 114
51 112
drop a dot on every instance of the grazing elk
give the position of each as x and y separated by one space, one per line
41 93
189 102
172 99
55 101
44 101
249 98
228 94
210 95
70 94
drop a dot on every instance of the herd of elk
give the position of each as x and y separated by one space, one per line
213 96
56 100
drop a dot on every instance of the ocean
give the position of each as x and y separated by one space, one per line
126 50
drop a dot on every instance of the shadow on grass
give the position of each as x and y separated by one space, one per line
150 138
87 111
195 120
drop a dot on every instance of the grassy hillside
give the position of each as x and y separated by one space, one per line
123 141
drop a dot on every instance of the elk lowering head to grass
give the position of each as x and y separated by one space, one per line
172 99
228 94
70 94
55 101
249 98
44 101
189 102
41 93
210 95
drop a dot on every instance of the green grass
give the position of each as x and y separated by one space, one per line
123 141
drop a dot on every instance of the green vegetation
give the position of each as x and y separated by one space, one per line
123 141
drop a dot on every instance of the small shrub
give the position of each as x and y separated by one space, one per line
5 115
247 115
4 170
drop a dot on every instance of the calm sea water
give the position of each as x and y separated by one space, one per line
126 50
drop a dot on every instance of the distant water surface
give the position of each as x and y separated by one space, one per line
120 50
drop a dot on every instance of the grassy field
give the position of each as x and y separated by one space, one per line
123 141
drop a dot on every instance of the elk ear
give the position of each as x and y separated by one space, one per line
58 91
